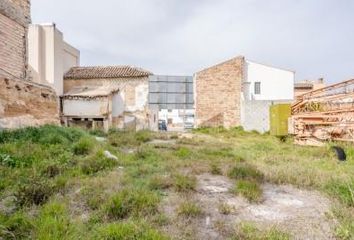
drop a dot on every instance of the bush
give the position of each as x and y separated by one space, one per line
132 202
83 146
184 183
245 171
249 189
34 191
128 231
189 209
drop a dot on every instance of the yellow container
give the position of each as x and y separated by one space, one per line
279 115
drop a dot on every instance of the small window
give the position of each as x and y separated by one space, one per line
169 110
169 121
257 88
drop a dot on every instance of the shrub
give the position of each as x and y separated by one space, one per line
132 202
128 231
184 183
143 136
189 209
249 189
34 191
245 171
83 146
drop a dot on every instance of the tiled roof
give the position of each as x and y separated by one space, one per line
90 92
105 72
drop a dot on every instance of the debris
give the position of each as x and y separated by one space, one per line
109 155
340 153
324 114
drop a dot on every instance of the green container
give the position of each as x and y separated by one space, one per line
279 115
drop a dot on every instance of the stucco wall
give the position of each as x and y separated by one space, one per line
50 57
86 107
276 84
218 94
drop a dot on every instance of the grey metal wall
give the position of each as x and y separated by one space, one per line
171 92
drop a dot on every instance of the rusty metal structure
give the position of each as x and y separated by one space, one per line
325 114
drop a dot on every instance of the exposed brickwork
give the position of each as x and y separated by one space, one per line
218 94
25 104
12 48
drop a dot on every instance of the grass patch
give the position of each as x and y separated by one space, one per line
128 231
225 208
184 183
245 171
215 169
344 191
129 202
248 231
248 189
189 209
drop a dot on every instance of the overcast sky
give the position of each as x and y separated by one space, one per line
315 38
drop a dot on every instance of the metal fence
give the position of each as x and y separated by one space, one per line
171 92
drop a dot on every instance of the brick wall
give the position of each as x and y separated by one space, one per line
218 94
26 104
14 20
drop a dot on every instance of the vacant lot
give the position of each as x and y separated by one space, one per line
62 183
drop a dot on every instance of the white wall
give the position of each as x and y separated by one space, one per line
276 84
141 97
82 108
49 55
117 105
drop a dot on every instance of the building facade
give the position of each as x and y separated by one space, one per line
130 104
306 86
239 92
22 102
50 57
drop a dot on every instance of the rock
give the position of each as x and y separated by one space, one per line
100 139
109 155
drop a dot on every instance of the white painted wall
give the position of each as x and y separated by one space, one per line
82 108
141 97
276 83
117 105
49 56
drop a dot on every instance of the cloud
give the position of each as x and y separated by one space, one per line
181 36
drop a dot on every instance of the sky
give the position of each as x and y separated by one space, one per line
315 38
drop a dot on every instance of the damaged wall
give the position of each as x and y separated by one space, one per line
131 108
24 104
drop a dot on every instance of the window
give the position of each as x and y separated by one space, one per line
257 88
169 110
169 121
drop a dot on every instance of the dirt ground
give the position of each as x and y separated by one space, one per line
301 213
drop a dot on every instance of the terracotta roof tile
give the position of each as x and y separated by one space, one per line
105 72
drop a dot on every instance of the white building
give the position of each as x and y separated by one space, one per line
262 87
49 56
239 92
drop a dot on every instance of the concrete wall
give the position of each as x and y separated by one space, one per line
276 84
256 115
50 57
86 107
218 94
